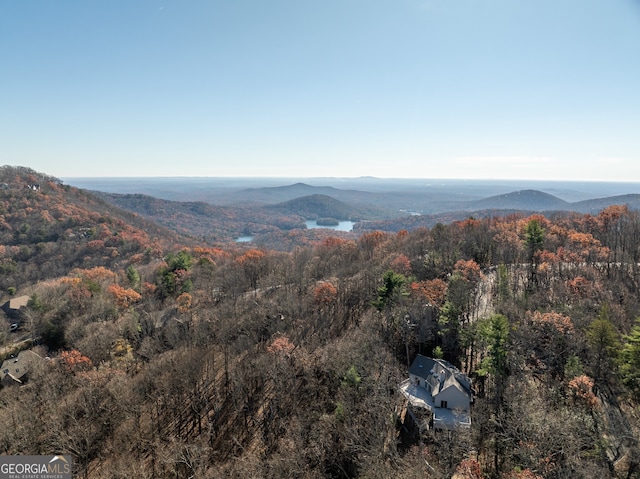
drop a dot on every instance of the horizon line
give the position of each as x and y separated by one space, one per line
160 177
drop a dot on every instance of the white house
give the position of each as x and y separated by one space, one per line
439 387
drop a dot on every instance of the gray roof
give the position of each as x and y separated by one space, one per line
447 374
19 366
422 366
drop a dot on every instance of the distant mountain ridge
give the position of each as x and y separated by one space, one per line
524 199
524 203
281 194
369 204
539 201
596 205
388 205
202 219
386 211
318 206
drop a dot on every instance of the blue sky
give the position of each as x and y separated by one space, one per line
299 88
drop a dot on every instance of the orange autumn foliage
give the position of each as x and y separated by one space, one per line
559 322
251 256
75 361
123 297
580 286
582 389
468 469
434 291
281 344
325 293
97 274
523 474
469 270
401 264
184 302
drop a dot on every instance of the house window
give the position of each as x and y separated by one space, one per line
443 404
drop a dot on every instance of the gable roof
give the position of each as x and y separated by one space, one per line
449 382
440 374
19 366
422 366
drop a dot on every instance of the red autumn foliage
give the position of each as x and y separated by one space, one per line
523 474
469 270
184 302
434 291
580 286
75 361
281 344
557 321
251 256
214 255
95 245
610 215
149 288
468 469
401 264
332 242
97 274
581 388
325 293
370 241
123 297
78 293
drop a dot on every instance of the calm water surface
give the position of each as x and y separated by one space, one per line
342 226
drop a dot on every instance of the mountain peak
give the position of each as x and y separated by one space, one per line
534 200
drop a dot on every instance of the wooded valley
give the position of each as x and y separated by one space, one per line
164 356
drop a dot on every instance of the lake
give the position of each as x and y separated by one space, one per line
311 224
341 226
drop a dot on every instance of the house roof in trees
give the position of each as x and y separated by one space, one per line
440 374
16 368
422 366
449 382
19 302
13 306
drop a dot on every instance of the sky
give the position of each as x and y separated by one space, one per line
505 89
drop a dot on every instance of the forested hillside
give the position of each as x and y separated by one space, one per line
213 223
170 359
47 228
317 206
